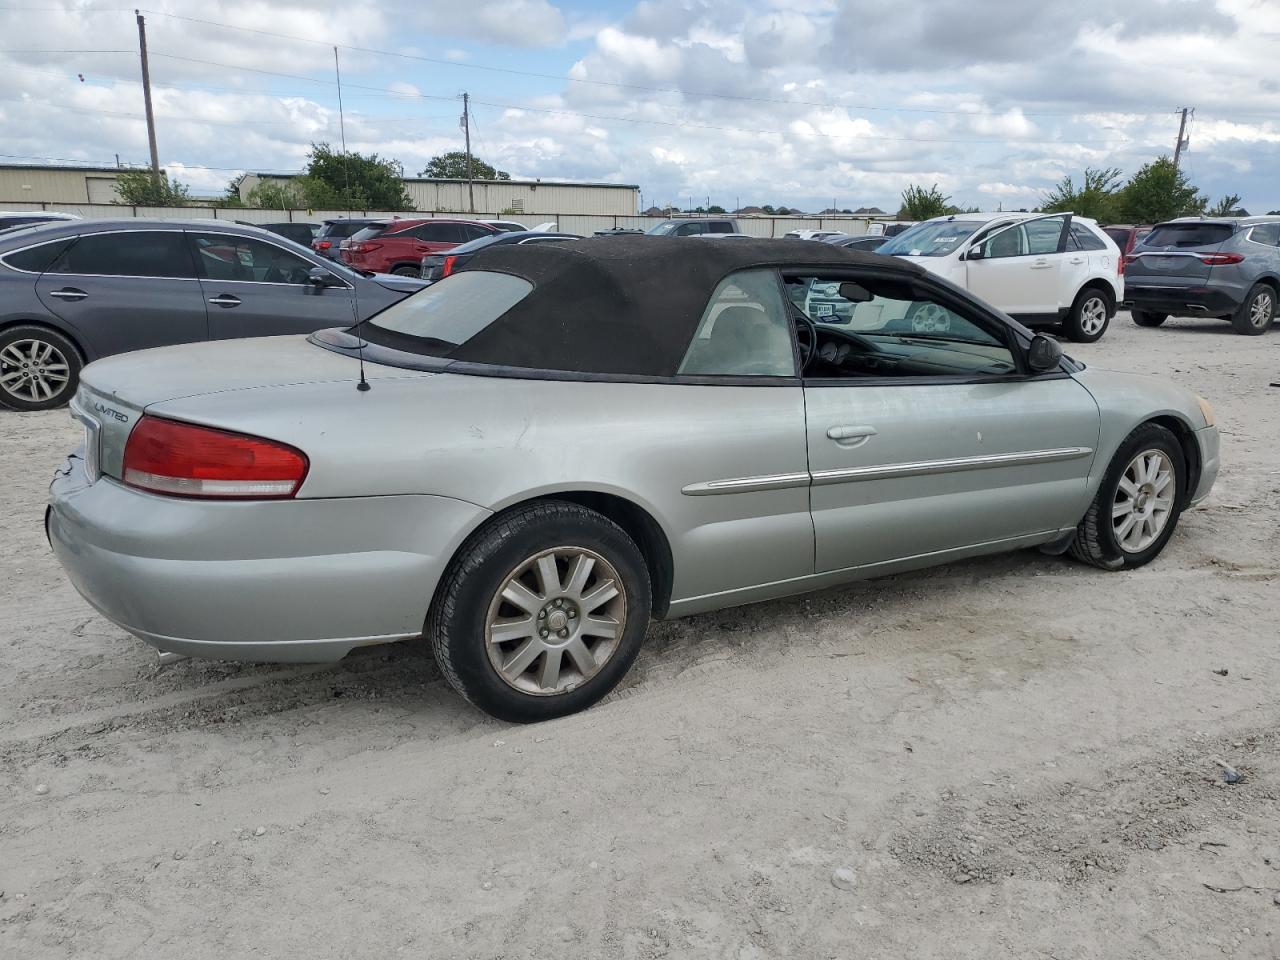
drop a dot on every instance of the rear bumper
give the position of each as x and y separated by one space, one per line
271 581
1210 460
1180 301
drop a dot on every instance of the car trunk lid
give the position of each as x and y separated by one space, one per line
114 393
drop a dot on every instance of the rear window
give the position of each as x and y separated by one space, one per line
369 232
1178 235
447 314
342 228
37 259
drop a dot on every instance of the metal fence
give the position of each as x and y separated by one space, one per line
585 224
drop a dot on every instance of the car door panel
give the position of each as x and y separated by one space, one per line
253 288
944 466
1022 272
100 288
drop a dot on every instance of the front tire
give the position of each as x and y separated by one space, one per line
542 612
1138 504
1089 316
1145 318
39 368
1257 313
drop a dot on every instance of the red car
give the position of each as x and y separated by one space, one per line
1126 237
398 246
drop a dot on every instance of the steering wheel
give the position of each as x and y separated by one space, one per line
809 342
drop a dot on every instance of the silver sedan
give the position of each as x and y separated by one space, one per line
526 462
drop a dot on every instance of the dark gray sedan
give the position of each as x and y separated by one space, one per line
71 293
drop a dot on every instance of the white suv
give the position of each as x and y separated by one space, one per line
1041 269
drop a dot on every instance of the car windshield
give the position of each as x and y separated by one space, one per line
1177 235
931 239
662 229
449 313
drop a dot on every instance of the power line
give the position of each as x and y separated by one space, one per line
187 118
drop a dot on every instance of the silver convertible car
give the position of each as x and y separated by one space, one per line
527 461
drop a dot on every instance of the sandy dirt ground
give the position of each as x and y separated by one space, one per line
1010 757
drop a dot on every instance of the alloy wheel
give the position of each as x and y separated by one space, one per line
1093 315
1261 309
556 620
1144 500
33 371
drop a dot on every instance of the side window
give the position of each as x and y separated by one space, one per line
720 226
471 231
1010 243
1043 235
223 256
880 327
438 233
690 229
1268 233
744 332
1082 238
37 259
131 253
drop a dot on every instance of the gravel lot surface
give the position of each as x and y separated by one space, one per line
1010 757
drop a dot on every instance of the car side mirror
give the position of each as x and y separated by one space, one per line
320 277
1044 354
974 253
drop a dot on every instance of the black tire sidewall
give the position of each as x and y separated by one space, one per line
1073 328
1241 319
464 635
1149 437
64 345
406 271
1146 318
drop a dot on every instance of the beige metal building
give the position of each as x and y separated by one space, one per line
38 183
495 196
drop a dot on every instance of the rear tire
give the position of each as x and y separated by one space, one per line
535 576
39 368
1257 313
1090 315
1136 508
407 271
1145 318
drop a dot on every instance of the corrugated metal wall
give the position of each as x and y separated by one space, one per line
18 184
568 222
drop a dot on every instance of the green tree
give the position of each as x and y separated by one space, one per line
1159 191
716 208
783 211
1096 197
279 195
139 188
353 180
453 166
1228 206
921 204
768 208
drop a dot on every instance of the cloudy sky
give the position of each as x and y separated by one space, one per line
795 102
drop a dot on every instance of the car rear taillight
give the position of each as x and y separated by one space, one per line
321 244
1221 259
183 460
447 267
362 246
1120 265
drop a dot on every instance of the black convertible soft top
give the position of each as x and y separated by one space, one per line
627 304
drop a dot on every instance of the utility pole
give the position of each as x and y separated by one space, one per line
466 127
1183 142
146 98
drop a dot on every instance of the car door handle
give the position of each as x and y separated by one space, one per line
1076 260
68 293
225 300
1041 265
848 435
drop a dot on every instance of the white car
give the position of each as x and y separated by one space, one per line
810 234
1041 269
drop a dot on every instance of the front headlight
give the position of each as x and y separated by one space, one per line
1207 409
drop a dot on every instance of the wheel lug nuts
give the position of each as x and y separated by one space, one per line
559 603
542 614
563 634
544 634
572 614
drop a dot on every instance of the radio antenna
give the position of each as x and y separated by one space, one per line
363 385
